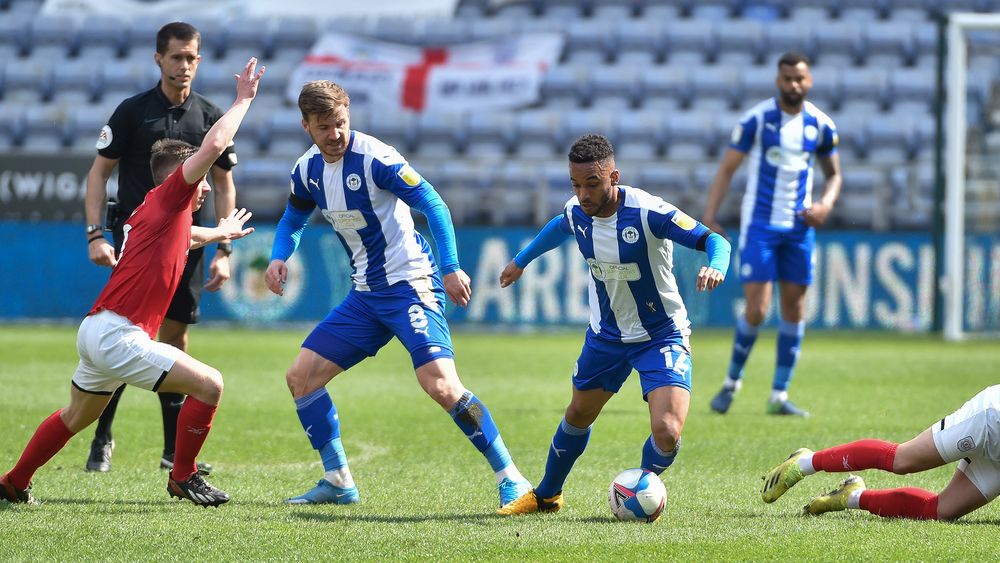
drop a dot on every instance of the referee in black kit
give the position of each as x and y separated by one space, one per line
170 110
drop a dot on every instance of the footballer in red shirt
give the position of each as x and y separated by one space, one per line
116 340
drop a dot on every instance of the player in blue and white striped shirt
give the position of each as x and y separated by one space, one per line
637 321
783 137
365 189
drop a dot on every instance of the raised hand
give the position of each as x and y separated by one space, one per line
247 81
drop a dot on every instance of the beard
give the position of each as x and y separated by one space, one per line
792 99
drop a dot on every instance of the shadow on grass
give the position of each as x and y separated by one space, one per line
149 503
385 519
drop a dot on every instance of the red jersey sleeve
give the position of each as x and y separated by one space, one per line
175 193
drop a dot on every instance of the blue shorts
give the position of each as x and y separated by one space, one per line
661 362
769 255
365 321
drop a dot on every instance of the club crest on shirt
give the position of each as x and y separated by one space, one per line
630 235
353 182
104 138
409 175
810 132
683 221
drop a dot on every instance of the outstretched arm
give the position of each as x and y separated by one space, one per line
554 233
220 136
229 228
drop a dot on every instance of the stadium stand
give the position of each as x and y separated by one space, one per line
666 79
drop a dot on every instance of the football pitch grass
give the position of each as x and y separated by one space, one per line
428 495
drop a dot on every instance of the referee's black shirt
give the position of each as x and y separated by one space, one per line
140 121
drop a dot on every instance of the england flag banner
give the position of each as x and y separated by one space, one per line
498 73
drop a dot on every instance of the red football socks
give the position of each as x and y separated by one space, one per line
50 437
855 456
193 424
909 502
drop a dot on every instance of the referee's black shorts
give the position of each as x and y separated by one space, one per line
184 306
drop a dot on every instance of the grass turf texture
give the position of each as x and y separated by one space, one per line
426 493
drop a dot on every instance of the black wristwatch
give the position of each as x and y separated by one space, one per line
225 247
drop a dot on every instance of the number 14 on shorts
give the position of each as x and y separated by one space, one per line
676 358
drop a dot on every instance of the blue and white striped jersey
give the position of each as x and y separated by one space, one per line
363 196
633 293
781 150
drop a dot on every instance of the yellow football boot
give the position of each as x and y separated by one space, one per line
529 502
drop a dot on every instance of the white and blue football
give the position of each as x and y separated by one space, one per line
637 494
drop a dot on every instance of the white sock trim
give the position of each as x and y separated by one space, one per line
510 472
733 385
854 499
340 477
778 396
806 464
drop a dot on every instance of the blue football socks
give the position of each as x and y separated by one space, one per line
319 419
745 336
568 444
789 343
655 459
475 421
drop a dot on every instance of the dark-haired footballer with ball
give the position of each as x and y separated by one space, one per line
637 318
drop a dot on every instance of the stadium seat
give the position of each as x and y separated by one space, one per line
891 38
783 36
640 134
77 80
55 31
15 31
744 37
44 124
912 85
667 180
866 83
31 76
566 82
612 10
489 133
396 128
11 123
140 35
255 32
103 31
808 15
710 12
515 11
718 83
690 135
640 35
838 38
859 205
615 86
667 82
692 41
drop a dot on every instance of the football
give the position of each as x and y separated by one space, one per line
637 494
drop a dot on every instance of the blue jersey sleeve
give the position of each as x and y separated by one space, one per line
290 228
675 225
828 139
400 178
554 233
744 133
442 230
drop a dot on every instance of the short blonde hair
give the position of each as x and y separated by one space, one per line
321 97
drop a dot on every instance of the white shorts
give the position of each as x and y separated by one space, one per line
114 351
972 434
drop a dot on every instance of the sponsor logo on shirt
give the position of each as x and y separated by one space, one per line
613 271
350 220
683 221
409 175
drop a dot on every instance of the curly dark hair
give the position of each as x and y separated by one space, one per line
591 148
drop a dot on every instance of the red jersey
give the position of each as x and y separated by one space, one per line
157 239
